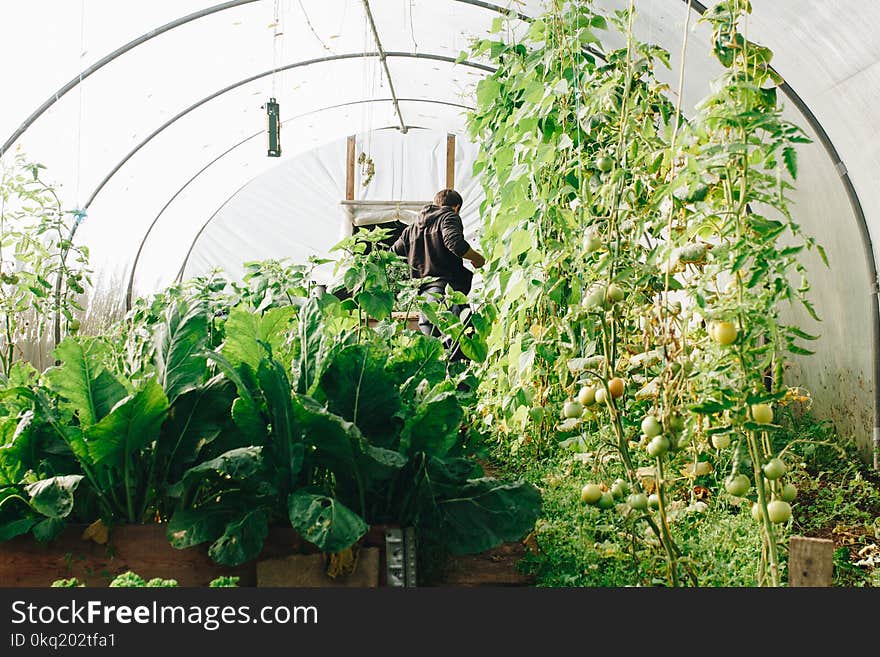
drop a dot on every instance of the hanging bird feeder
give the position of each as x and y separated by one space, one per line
273 116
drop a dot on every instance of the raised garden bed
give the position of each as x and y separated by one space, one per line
286 560
145 550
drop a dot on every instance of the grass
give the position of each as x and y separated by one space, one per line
839 499
579 545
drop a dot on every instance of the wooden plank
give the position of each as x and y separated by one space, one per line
349 168
309 570
810 561
143 549
495 567
450 161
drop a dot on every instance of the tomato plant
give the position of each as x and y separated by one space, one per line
42 273
655 255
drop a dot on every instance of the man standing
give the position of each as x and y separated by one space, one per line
434 245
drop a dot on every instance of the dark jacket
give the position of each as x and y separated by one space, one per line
434 245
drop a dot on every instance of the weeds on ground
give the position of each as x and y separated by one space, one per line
579 545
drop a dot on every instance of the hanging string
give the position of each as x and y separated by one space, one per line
672 164
276 22
412 29
78 147
311 27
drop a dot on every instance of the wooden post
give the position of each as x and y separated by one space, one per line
450 161
810 561
349 169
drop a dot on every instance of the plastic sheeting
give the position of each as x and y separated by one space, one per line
294 211
827 51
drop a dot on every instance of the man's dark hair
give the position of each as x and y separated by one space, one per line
448 197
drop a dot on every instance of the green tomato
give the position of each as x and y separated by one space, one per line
654 501
591 493
606 501
676 424
658 446
763 413
721 441
572 409
587 396
592 243
737 485
614 293
788 493
604 163
651 426
595 298
779 511
774 469
724 333
756 512
601 396
638 501
619 489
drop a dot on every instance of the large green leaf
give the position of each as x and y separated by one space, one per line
324 522
249 420
419 357
250 336
285 444
242 338
336 444
247 409
242 540
486 512
239 464
466 512
376 303
359 389
131 425
378 463
433 427
332 439
53 497
13 528
82 381
181 342
276 390
195 419
17 445
311 346
189 527
48 528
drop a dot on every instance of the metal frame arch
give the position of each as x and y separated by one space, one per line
130 286
252 78
178 22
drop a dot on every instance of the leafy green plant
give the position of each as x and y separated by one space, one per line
42 273
366 432
131 579
299 415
